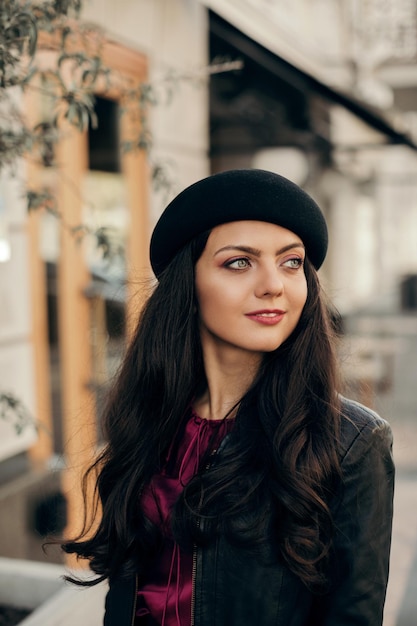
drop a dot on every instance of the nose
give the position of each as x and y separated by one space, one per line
269 282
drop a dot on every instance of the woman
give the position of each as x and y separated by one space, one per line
237 486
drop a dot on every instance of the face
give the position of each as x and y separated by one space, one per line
250 287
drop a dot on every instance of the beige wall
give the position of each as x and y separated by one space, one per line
16 364
174 36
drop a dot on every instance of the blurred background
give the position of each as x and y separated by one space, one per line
107 110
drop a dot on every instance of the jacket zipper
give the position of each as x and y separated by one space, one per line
193 575
194 565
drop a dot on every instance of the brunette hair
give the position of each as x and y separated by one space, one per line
284 441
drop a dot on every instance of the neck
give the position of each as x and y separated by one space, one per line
229 375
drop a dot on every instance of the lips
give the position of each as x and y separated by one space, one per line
266 316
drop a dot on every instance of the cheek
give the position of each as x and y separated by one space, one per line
205 298
208 301
299 296
303 294
215 299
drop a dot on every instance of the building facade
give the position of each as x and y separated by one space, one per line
325 94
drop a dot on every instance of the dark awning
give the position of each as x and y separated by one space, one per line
305 82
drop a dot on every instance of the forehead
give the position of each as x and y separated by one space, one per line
249 232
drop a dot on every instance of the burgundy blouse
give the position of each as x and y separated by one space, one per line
165 598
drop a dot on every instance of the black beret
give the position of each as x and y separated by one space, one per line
233 196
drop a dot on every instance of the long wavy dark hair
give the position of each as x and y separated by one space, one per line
279 468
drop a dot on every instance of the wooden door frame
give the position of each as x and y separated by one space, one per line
78 414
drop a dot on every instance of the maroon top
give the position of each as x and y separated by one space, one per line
165 598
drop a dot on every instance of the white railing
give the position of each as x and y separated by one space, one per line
40 587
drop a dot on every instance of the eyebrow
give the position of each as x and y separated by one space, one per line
257 253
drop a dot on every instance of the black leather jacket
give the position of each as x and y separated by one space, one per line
232 588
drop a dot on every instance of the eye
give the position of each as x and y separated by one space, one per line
238 264
294 263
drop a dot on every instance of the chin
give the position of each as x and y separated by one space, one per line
264 347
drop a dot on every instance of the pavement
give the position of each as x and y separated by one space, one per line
401 604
